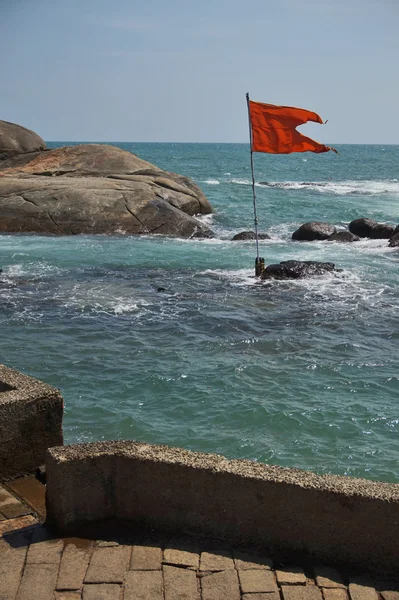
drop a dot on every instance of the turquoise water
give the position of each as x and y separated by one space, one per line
302 374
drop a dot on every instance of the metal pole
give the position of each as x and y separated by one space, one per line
258 269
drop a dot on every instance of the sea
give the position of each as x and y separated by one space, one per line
174 341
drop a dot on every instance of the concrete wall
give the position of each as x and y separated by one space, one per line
30 422
329 518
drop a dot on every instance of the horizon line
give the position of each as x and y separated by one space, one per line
226 143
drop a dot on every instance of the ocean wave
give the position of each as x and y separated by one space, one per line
212 181
340 188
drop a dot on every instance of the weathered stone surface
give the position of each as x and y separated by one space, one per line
245 561
295 269
10 506
48 551
146 558
216 561
344 236
17 524
249 235
327 577
255 580
108 565
314 230
66 595
294 592
95 188
15 139
368 228
291 576
74 563
362 592
335 594
12 562
180 584
143 585
183 558
102 591
262 596
221 585
390 595
38 582
32 492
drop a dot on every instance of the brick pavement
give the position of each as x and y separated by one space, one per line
35 566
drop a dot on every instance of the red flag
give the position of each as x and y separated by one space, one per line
274 129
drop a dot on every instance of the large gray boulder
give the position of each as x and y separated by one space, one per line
367 228
314 230
297 269
96 188
249 235
15 139
343 237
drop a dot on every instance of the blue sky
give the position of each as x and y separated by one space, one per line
178 70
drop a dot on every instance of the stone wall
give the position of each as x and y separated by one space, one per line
339 520
30 422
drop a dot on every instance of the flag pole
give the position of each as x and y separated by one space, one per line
259 262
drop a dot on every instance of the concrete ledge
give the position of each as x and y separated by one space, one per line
327 518
30 422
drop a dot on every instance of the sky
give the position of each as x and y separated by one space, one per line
178 70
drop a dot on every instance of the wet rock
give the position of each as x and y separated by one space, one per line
96 188
394 241
295 269
314 230
15 139
367 228
344 236
249 235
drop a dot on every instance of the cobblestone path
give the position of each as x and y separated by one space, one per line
36 566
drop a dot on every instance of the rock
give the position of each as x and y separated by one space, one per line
344 236
371 229
315 230
249 235
96 188
295 269
15 139
394 241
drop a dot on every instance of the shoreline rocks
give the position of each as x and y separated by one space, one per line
367 228
313 230
249 235
296 269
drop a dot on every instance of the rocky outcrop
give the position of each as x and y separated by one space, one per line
343 236
295 269
314 230
96 188
15 139
394 241
249 235
367 228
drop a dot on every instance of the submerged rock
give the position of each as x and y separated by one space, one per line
343 236
296 269
394 241
367 228
96 188
314 230
249 235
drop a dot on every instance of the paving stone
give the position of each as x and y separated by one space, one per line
291 576
106 543
335 594
390 595
218 586
17 524
328 578
254 580
108 565
74 563
10 507
67 595
38 582
262 596
48 551
146 558
180 584
301 592
362 592
12 562
216 561
245 561
102 591
32 491
183 558
143 585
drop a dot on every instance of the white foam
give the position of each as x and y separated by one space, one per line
341 188
212 181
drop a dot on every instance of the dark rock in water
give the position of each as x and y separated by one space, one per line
249 235
295 269
371 229
95 188
15 139
344 236
394 241
314 230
